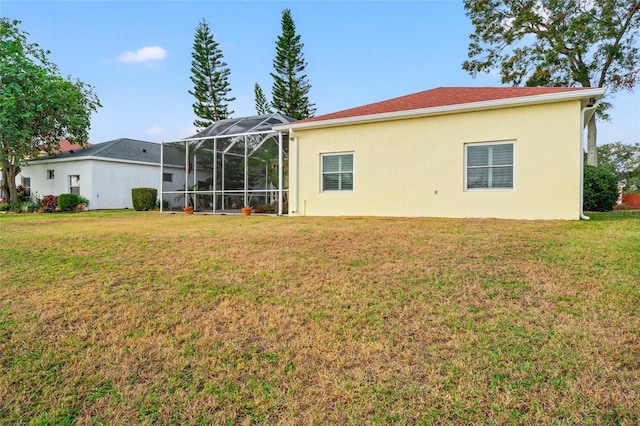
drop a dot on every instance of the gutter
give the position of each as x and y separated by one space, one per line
583 111
445 109
35 162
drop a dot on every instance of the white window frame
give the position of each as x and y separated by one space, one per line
353 171
26 183
70 179
492 143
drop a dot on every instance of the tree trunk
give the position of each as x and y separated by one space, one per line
9 182
4 190
592 149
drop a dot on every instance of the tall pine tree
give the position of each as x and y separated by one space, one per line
262 105
210 79
290 85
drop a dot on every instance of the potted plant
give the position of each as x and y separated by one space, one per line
246 211
83 202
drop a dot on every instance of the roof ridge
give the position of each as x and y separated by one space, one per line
137 140
108 144
105 145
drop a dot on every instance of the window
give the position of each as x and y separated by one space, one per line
74 184
26 183
489 166
167 177
337 172
50 174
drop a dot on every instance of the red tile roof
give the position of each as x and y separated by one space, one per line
65 146
441 97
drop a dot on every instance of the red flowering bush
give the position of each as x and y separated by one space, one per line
49 203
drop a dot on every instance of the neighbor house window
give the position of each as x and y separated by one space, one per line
489 165
50 174
74 184
26 183
337 172
167 177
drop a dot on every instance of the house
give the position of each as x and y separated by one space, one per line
104 173
474 152
63 146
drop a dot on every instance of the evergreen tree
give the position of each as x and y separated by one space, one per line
262 105
210 79
290 85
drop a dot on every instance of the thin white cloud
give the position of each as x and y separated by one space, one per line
155 131
144 54
189 131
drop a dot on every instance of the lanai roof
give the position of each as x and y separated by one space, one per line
242 125
446 98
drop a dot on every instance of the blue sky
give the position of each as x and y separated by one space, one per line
137 55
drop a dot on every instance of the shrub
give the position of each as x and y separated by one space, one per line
49 203
29 207
5 207
68 202
13 207
600 189
144 198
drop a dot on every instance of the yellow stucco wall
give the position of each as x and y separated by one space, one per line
415 167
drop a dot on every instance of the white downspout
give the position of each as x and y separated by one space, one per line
246 173
582 113
293 172
280 173
186 174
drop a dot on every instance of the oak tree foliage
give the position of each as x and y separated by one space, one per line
38 107
588 43
624 161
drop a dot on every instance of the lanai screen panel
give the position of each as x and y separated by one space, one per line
173 175
231 164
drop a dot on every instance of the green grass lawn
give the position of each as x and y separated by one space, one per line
138 318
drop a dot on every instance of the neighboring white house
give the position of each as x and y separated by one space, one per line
103 173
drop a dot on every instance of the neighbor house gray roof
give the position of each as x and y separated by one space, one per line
118 149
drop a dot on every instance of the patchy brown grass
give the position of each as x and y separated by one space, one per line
129 317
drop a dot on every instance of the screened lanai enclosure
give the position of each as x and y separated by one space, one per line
234 163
